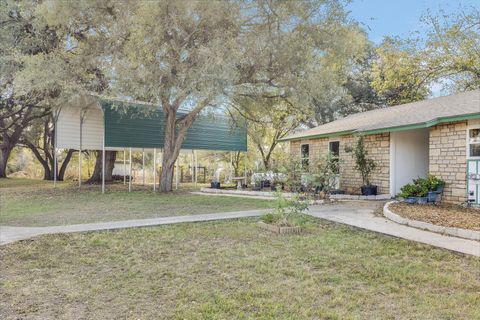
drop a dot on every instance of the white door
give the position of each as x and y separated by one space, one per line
408 157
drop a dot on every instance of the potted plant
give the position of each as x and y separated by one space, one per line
434 186
422 190
215 184
414 193
256 181
365 166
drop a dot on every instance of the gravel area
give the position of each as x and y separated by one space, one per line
442 215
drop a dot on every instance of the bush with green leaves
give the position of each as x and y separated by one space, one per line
287 212
430 182
421 186
292 172
413 190
324 172
321 175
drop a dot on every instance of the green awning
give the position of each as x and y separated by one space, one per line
129 125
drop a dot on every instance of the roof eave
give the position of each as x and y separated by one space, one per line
316 136
419 125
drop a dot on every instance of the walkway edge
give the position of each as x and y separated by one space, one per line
382 225
12 234
451 231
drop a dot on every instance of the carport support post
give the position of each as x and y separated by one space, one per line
124 167
196 167
245 168
56 113
80 152
143 165
130 170
154 168
231 167
193 164
103 164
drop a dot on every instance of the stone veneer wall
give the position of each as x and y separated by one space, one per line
378 147
448 159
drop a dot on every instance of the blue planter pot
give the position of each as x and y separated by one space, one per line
411 200
422 200
369 190
215 185
432 196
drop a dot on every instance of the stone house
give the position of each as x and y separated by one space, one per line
440 136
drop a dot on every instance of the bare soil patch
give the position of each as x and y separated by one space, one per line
442 215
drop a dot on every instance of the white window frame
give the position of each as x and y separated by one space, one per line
468 143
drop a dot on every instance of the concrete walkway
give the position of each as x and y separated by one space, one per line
361 215
12 234
354 213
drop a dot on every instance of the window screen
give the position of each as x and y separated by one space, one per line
334 148
305 154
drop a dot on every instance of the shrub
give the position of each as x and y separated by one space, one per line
431 182
292 173
421 186
413 190
324 172
286 211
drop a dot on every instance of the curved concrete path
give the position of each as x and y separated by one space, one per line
358 214
361 215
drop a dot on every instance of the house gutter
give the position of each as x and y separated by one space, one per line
315 136
420 125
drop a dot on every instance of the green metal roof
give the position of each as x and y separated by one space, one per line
131 125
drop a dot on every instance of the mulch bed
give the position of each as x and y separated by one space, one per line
442 215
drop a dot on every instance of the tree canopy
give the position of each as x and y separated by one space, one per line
447 54
195 55
280 64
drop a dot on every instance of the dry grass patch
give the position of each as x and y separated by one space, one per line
442 215
38 204
233 270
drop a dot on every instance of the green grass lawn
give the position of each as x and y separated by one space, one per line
35 203
234 270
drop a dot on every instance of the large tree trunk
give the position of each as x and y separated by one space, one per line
175 133
166 175
65 162
110 157
47 162
173 142
169 154
236 163
4 155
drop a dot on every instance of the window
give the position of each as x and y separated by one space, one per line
474 142
304 155
334 148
